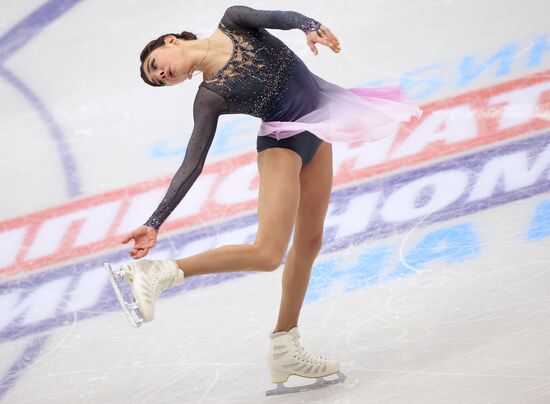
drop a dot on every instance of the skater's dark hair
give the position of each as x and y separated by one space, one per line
157 43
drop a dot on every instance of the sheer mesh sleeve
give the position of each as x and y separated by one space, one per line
250 18
208 106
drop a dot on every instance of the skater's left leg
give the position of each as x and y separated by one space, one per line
316 187
286 357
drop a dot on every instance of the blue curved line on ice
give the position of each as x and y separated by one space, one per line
13 40
67 160
29 355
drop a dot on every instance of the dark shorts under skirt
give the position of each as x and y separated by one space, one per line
305 144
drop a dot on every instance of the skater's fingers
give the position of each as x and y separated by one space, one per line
327 33
141 253
145 244
137 253
322 41
327 38
127 238
325 42
312 47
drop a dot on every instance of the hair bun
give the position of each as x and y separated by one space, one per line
187 36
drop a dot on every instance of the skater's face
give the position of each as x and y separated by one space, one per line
167 65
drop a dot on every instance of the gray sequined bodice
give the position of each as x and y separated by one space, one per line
262 78
257 75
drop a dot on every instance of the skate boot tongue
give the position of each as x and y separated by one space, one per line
294 332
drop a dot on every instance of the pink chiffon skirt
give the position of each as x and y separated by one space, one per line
350 115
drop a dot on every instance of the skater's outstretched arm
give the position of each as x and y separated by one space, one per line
207 108
246 17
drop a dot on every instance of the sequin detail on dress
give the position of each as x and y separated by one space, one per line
243 61
310 26
255 78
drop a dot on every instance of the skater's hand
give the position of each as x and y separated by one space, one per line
144 237
323 36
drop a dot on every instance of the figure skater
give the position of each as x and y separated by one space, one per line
247 70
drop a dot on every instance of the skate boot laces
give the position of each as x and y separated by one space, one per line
160 284
304 355
161 278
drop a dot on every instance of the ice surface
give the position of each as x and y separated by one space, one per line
433 283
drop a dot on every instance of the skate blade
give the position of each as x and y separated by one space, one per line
320 383
126 300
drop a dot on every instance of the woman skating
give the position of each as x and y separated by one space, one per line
247 70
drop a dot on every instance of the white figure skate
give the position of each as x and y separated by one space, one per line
147 280
286 357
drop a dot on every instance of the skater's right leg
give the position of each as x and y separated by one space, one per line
278 200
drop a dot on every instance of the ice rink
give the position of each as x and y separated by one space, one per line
433 283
